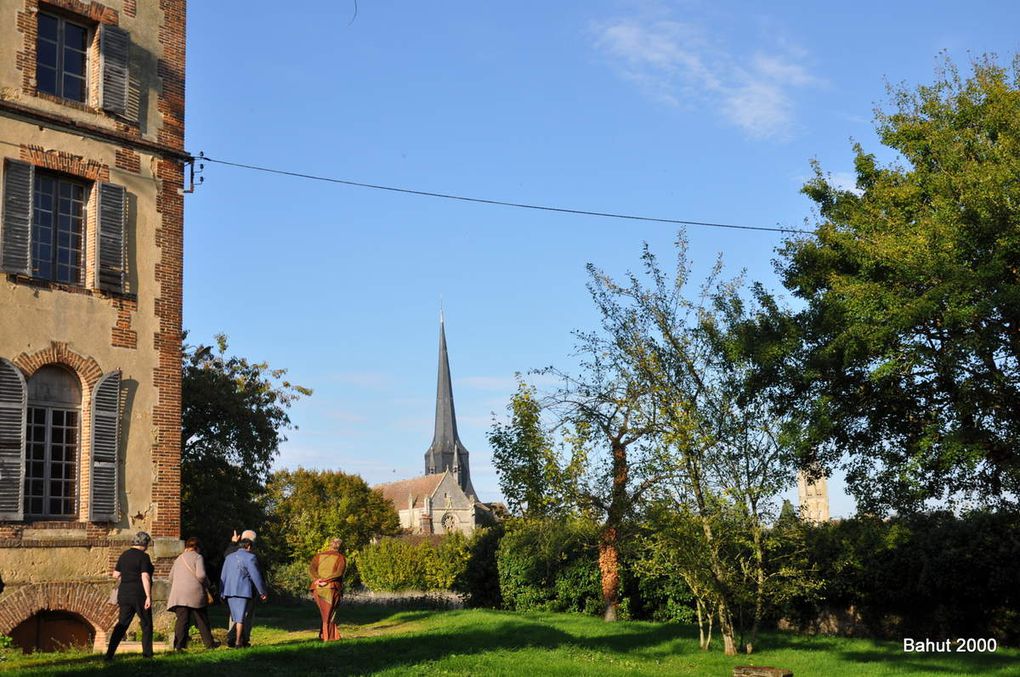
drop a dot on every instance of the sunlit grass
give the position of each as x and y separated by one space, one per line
480 642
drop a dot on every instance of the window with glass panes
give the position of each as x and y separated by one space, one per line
58 224
51 443
60 57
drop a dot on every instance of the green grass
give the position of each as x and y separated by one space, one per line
480 642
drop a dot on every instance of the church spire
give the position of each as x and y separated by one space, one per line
447 452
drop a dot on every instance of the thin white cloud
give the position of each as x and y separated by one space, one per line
680 64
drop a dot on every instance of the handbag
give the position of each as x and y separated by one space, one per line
112 599
210 599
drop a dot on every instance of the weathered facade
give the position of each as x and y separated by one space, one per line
92 167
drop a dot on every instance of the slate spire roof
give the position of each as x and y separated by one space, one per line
447 452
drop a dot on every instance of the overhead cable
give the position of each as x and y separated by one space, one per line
201 157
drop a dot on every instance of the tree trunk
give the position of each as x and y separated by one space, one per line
609 551
726 628
759 593
609 567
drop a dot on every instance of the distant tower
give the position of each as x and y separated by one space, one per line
813 497
447 452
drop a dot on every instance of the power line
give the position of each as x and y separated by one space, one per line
519 205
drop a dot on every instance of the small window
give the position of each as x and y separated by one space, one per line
60 52
58 225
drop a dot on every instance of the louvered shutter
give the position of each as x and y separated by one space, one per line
105 445
110 237
114 48
16 220
13 410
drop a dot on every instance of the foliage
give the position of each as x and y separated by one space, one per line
291 580
391 565
480 580
307 508
233 414
719 461
395 564
550 565
909 359
922 575
532 477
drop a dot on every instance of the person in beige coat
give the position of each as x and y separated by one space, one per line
188 598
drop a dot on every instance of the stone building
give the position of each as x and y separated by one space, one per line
813 495
443 500
92 165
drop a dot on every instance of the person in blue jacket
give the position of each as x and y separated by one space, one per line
240 581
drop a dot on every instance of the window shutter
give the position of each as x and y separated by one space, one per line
114 48
16 224
13 411
110 237
105 443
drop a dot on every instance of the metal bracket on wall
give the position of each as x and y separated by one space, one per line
192 173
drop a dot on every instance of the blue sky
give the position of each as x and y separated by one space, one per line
706 111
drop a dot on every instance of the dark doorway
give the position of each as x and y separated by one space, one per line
53 631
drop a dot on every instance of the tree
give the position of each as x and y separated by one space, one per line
233 414
308 507
908 370
532 476
721 461
607 417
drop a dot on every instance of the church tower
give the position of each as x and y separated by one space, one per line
447 452
814 498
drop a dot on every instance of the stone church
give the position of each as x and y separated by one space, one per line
442 500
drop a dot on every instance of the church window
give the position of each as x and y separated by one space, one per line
51 437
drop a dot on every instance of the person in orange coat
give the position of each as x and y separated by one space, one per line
327 572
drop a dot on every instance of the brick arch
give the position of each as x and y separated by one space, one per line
86 368
85 600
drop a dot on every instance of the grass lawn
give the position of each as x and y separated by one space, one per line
481 642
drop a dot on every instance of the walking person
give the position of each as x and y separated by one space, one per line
134 594
248 618
327 572
189 595
239 582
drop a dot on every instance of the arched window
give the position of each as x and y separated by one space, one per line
52 437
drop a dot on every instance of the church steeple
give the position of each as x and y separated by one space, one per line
447 452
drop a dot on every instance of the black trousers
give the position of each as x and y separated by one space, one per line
200 617
128 609
249 616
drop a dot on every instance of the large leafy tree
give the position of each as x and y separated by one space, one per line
309 507
234 414
909 365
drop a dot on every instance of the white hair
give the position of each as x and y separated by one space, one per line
249 534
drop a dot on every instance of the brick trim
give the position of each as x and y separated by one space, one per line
66 163
84 599
86 368
166 449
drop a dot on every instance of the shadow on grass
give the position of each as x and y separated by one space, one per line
455 633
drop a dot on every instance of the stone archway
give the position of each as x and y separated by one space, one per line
57 601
